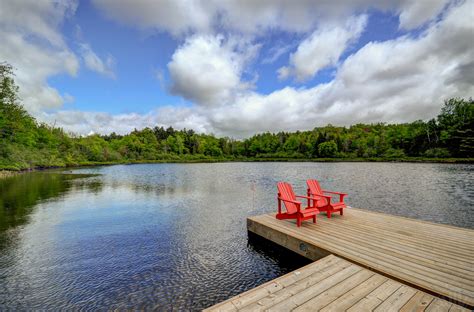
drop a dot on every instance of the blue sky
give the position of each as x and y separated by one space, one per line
138 56
236 68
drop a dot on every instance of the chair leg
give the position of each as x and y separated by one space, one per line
342 212
314 219
329 214
298 222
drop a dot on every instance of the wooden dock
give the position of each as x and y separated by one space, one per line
437 259
334 284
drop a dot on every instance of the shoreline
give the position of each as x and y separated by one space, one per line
9 171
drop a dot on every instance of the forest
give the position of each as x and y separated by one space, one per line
26 143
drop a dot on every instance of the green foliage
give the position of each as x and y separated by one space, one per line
437 152
457 127
394 153
327 149
24 143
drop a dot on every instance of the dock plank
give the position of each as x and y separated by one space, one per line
350 298
297 287
376 297
434 258
327 297
334 284
397 300
417 303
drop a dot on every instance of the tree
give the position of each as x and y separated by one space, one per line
16 124
8 88
327 149
210 147
456 122
292 144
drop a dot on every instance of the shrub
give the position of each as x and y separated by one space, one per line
327 149
437 153
394 153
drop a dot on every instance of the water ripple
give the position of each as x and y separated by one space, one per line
173 237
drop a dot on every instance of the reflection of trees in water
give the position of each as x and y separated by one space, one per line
146 188
20 194
91 185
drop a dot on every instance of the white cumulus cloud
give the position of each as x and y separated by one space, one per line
175 16
95 63
84 123
255 17
33 45
323 48
208 69
415 13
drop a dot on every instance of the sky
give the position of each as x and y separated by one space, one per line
236 68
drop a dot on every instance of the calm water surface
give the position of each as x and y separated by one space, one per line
169 236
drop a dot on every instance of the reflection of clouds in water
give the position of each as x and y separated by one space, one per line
20 194
28 258
27 265
74 243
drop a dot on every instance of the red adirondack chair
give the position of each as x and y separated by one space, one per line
293 206
323 201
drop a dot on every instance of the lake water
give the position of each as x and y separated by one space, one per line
174 235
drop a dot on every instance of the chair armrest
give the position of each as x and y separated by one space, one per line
290 201
341 195
318 195
301 196
338 193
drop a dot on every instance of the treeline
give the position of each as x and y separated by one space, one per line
25 143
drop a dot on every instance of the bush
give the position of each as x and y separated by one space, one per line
437 153
327 149
394 153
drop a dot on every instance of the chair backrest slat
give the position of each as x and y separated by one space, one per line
286 192
315 189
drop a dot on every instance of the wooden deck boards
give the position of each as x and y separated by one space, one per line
438 259
334 284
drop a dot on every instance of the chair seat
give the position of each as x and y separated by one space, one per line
338 205
335 206
309 212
